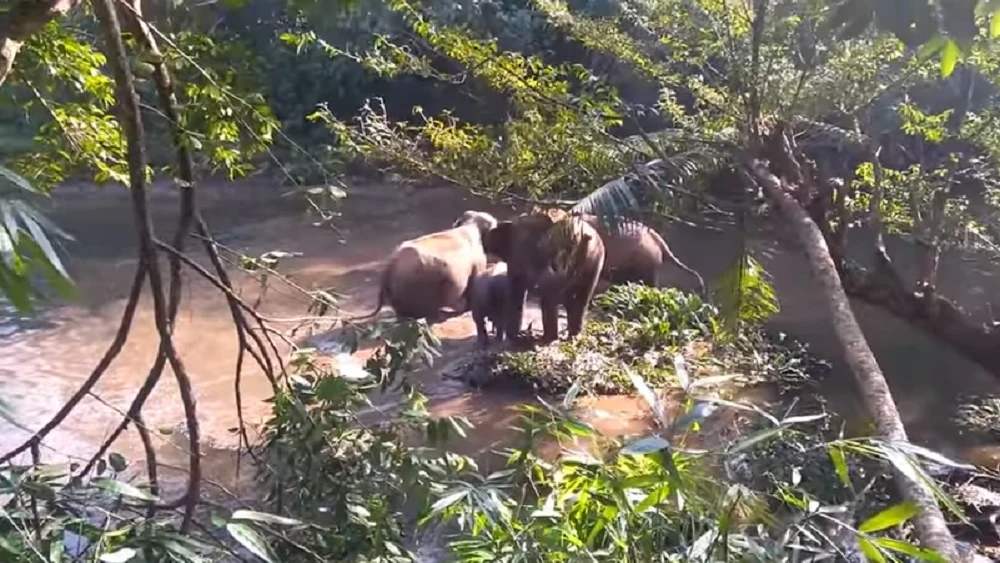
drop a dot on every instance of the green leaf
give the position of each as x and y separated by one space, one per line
755 438
871 551
931 48
252 540
647 445
949 57
40 491
907 548
183 548
995 24
121 556
17 181
446 501
117 462
892 516
124 489
839 463
574 390
265 517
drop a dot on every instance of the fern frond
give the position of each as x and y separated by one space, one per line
745 294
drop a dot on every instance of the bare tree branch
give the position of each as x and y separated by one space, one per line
128 104
26 18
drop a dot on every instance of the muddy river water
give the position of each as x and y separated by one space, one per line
44 359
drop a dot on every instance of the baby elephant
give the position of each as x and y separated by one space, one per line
487 299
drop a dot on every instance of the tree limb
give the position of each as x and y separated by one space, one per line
25 19
127 101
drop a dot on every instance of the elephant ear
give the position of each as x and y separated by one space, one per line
556 215
562 241
499 240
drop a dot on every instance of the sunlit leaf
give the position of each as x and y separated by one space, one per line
907 548
119 556
889 517
265 517
252 540
871 551
443 503
124 489
839 463
647 445
949 57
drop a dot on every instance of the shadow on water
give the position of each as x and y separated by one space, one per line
44 359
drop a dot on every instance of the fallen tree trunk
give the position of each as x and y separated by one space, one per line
935 315
930 523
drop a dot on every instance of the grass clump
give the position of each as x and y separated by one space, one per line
641 329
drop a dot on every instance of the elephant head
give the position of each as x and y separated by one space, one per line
556 253
543 241
484 221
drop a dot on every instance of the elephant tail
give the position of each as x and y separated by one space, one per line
673 258
383 293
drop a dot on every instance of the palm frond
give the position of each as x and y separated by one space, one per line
616 201
26 244
811 134
745 294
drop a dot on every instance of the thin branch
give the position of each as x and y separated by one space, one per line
36 459
128 104
151 464
223 285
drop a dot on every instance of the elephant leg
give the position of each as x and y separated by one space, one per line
603 285
517 290
577 301
550 318
482 336
652 278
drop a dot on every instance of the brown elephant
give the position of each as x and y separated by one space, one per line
428 277
557 254
635 253
487 299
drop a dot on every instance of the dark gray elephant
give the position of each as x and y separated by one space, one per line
488 301
558 255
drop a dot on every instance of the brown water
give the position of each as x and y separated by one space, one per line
43 360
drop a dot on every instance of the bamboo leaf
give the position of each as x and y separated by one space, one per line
124 489
949 57
265 517
871 551
890 517
120 556
906 548
252 540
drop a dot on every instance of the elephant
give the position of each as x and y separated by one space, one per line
557 254
487 299
428 277
635 253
